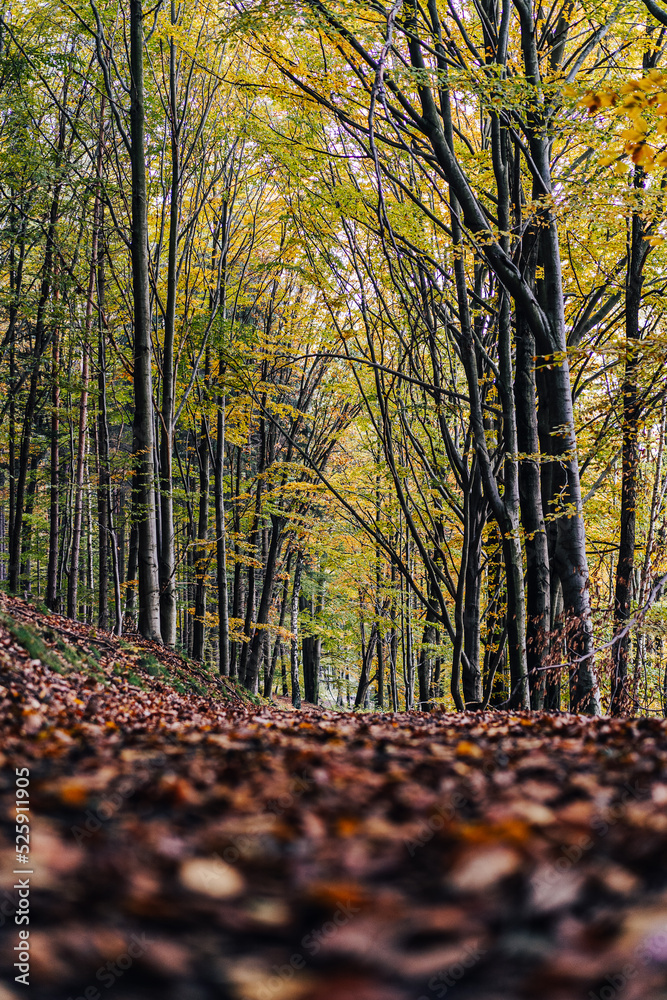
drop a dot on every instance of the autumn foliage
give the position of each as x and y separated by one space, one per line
189 845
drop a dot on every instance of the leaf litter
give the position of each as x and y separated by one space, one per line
190 845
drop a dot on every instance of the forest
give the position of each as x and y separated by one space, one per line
333 499
333 345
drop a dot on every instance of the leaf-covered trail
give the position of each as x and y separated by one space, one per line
190 849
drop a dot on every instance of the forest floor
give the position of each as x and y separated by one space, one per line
187 845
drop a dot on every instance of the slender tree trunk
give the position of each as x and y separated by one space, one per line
52 599
167 562
236 595
201 553
131 578
252 575
40 344
393 662
317 642
367 653
408 666
221 542
538 582
294 628
26 543
73 581
105 539
424 663
277 646
471 674
637 253
103 532
143 436
252 669
16 268
107 534
552 697
12 444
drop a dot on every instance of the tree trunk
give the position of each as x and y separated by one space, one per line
167 562
424 663
143 436
52 599
252 581
538 586
294 628
131 578
252 669
471 674
268 680
221 542
40 345
201 553
236 594
367 653
637 253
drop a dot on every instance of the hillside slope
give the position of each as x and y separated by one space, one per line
188 846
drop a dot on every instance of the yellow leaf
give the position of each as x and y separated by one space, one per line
608 98
632 135
590 101
643 155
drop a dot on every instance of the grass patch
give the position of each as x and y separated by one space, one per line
31 641
134 664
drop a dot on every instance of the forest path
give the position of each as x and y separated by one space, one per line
187 848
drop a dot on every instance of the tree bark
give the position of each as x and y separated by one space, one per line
143 431
52 599
221 542
73 581
256 643
294 628
201 559
268 680
471 674
167 561
631 415
538 585
40 344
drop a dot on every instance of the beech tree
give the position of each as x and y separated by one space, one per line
333 343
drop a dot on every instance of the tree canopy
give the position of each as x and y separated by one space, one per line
333 342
